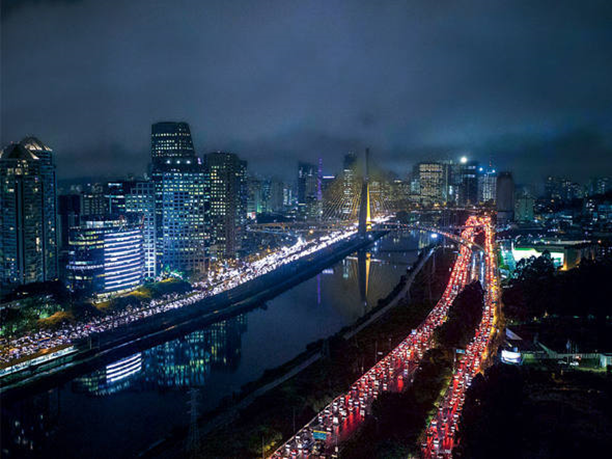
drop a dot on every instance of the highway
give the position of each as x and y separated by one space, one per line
338 420
46 342
440 436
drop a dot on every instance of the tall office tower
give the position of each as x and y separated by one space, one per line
276 201
505 198
106 257
431 182
468 182
228 196
115 194
181 200
28 216
487 185
350 187
307 188
140 209
185 201
171 142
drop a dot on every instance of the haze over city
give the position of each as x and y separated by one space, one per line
522 83
294 230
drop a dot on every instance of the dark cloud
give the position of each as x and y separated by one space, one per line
279 81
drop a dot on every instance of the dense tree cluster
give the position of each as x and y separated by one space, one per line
522 412
463 317
538 290
399 418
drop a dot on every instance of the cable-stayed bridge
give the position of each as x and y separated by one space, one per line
356 200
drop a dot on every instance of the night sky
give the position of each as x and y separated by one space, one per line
526 83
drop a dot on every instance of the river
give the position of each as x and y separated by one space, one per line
124 407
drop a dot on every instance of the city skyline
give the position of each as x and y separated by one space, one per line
334 229
544 105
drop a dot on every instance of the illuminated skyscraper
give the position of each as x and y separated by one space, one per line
468 182
228 202
181 200
350 188
487 185
185 201
171 141
28 234
431 182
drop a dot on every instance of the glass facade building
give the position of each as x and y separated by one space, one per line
28 214
432 183
140 208
171 141
106 257
185 229
181 200
228 203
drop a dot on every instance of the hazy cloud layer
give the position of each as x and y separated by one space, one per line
524 82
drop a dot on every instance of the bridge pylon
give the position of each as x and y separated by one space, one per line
365 217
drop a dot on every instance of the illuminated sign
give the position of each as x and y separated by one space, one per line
511 356
557 256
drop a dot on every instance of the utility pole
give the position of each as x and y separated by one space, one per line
193 441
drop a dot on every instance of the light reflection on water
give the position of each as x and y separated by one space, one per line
122 408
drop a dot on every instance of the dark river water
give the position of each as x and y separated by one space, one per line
122 408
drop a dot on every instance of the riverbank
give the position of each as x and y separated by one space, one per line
119 343
271 416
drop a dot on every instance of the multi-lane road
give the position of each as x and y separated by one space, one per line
47 343
440 436
322 435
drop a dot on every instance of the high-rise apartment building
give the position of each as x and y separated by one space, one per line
28 214
228 202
